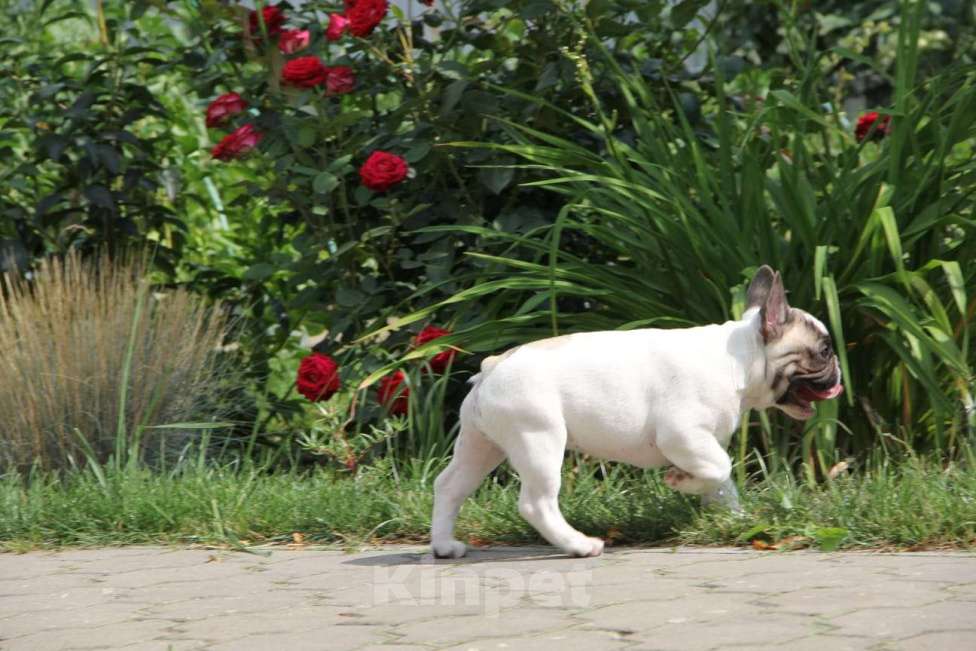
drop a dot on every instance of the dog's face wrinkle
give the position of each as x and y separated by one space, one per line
802 363
782 379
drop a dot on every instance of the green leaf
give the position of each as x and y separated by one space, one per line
887 218
819 263
452 95
259 272
537 9
324 183
685 11
833 310
99 195
495 179
306 136
217 425
829 539
417 152
957 285
347 297
761 530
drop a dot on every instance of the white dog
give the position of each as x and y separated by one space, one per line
650 398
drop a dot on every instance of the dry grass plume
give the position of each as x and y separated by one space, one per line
65 337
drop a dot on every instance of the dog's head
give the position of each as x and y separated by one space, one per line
801 366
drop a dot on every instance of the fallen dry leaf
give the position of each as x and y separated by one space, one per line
613 534
791 542
837 468
787 543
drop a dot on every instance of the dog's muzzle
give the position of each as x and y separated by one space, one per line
804 390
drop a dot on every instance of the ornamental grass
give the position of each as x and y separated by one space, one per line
97 366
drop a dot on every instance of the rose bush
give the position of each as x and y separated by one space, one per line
393 394
293 40
348 123
318 377
273 18
439 362
365 15
305 72
383 170
869 123
223 108
237 144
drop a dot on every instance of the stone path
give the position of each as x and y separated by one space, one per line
397 599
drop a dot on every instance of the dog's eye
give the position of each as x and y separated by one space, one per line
825 349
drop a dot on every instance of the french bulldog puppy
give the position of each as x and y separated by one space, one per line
651 398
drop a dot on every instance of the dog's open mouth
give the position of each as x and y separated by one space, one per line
801 396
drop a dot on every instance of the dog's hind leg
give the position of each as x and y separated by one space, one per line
474 457
538 459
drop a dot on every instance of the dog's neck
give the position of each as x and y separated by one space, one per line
748 349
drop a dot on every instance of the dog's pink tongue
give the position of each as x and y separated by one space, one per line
832 392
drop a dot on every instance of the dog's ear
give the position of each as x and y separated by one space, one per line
775 311
759 288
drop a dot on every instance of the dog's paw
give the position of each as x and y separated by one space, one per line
448 549
586 547
684 482
676 477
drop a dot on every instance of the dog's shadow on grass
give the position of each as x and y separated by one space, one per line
477 555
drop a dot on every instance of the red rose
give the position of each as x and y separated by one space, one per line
318 377
274 18
438 363
237 143
222 108
340 80
304 72
338 24
882 127
429 3
392 395
365 15
382 170
293 40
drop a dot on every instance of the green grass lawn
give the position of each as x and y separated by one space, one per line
913 505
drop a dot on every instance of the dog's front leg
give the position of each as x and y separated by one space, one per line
701 465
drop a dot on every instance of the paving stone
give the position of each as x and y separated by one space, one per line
897 623
642 615
399 598
313 640
940 641
835 601
751 632
962 571
817 643
568 640
447 631
76 618
105 637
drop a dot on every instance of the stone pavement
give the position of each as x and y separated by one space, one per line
397 599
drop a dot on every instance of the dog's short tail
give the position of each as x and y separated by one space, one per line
487 364
470 410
